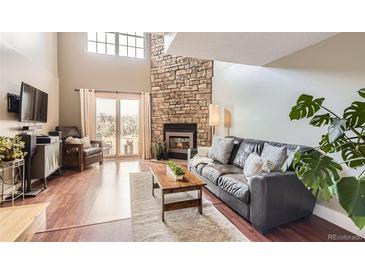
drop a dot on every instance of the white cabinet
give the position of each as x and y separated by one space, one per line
47 160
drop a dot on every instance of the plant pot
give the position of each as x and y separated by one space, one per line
165 155
173 175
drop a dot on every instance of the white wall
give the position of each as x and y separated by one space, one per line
80 69
260 98
32 58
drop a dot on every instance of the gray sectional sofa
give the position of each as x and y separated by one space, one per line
268 200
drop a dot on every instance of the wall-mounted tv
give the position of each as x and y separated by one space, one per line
33 104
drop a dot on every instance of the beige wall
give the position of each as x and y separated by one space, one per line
79 69
32 58
260 98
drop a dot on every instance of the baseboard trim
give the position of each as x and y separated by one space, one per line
337 218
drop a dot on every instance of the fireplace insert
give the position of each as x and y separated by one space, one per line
179 138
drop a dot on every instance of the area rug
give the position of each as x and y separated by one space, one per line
184 225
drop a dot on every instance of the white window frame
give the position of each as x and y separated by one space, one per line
117 44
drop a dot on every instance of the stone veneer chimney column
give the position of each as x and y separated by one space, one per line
181 91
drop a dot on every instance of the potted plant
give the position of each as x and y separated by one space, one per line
158 151
165 154
11 148
175 171
346 137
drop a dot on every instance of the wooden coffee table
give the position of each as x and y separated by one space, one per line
160 179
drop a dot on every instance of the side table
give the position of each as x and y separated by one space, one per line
11 175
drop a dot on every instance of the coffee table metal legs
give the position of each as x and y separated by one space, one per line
163 205
153 186
200 208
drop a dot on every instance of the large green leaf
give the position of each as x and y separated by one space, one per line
336 129
362 92
320 120
351 195
358 221
306 107
355 114
316 170
353 154
325 194
328 147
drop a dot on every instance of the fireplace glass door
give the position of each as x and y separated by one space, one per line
118 123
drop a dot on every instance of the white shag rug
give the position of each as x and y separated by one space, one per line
184 225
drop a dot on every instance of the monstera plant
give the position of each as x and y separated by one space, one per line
346 137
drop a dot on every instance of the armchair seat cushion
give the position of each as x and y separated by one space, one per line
92 150
213 171
236 185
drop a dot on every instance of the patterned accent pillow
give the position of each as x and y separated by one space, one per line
221 149
268 166
276 155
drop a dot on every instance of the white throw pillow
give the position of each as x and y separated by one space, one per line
86 142
72 140
253 165
203 151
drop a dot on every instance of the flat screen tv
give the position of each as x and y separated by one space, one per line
33 104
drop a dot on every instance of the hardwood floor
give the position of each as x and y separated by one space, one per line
94 205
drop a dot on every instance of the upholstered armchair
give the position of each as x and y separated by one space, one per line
75 155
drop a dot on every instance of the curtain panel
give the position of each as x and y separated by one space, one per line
87 107
146 125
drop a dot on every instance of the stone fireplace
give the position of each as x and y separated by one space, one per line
181 91
179 138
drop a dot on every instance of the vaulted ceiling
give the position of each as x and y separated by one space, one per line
250 48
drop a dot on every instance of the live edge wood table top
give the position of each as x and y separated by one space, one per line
160 179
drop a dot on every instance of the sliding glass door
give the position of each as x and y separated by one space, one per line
118 123
129 127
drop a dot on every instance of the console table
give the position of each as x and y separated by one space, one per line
46 160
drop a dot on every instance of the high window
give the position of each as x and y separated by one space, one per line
128 44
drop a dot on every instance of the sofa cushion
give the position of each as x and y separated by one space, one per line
236 185
246 148
198 168
92 150
196 160
213 171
